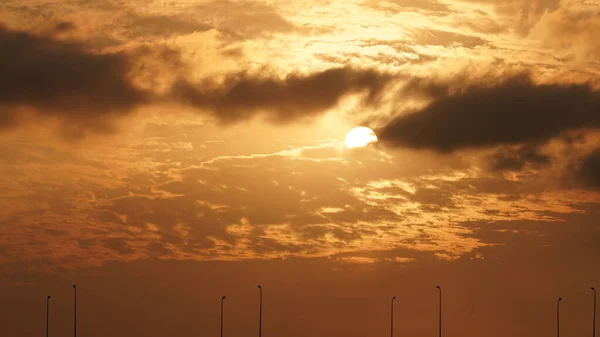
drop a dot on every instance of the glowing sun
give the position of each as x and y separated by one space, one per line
360 137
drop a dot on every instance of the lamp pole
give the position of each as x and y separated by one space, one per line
47 315
440 313
594 323
75 312
260 312
558 317
392 318
222 300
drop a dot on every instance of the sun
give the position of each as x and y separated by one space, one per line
359 137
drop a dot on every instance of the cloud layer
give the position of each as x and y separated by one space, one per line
516 110
178 186
61 79
90 89
290 98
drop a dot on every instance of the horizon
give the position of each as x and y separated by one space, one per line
392 319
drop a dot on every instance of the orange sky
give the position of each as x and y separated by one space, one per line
161 154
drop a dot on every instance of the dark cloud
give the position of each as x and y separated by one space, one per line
119 245
87 90
61 79
64 26
517 159
588 172
514 111
157 248
285 99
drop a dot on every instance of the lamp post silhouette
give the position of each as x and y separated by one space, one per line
260 312
440 313
75 312
47 315
558 317
594 322
392 318
222 299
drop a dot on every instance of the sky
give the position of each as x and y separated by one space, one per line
161 154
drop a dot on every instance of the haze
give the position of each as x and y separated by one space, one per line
163 154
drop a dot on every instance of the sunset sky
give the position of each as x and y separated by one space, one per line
163 153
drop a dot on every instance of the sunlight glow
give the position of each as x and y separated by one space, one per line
359 137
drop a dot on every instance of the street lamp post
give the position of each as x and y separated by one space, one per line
440 313
47 315
75 312
558 317
222 299
260 313
392 318
594 323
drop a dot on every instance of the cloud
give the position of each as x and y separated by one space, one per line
118 245
507 159
523 13
514 111
63 80
588 171
87 91
64 26
284 99
570 33
131 207
428 6
358 259
161 25
244 19
445 38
